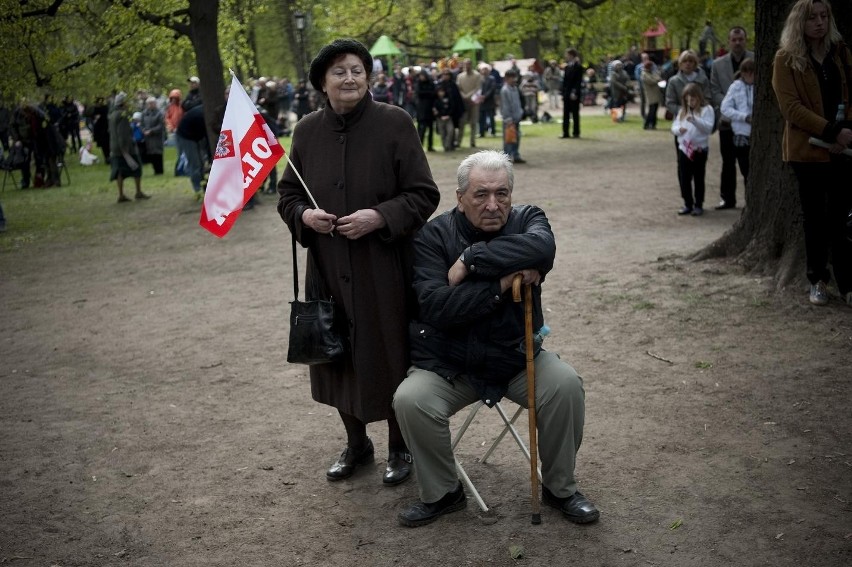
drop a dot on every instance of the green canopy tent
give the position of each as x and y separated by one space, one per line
466 43
384 46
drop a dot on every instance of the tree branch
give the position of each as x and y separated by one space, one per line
369 31
164 20
80 62
49 11
582 4
40 82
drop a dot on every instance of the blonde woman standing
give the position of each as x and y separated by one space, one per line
811 78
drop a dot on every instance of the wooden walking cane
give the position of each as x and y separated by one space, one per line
535 517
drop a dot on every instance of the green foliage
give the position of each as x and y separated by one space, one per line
427 29
94 47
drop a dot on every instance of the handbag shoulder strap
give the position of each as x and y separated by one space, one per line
295 269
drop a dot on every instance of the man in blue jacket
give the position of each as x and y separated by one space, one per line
468 343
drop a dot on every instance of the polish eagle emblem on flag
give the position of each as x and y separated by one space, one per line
225 145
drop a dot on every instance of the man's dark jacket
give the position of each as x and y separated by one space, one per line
572 80
473 329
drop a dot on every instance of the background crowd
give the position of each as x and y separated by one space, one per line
452 100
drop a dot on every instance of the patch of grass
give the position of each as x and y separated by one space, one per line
86 207
703 365
643 304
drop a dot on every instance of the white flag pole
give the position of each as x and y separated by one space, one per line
296 171
308 191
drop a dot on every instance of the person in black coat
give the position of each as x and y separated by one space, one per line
100 126
193 97
191 135
302 99
488 105
69 123
424 91
448 83
572 86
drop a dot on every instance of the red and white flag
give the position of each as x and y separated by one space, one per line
246 152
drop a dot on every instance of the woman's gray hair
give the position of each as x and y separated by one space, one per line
489 160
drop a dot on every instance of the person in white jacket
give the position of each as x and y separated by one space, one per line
692 126
738 105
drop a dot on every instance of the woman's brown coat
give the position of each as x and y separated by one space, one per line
800 100
369 158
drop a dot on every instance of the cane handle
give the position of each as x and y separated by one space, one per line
517 281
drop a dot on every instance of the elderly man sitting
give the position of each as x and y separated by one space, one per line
469 341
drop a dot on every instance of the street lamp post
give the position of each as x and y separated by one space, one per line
300 21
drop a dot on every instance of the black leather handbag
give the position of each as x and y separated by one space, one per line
313 335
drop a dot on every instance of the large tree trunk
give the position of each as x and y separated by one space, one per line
204 17
768 237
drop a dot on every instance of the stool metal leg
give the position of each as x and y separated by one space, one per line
464 478
8 173
63 167
510 427
471 414
470 487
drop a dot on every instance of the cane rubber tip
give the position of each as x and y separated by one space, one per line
536 519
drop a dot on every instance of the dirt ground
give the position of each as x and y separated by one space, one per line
149 416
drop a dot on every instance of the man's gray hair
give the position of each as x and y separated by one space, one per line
489 160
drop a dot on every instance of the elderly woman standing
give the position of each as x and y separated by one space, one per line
619 84
811 79
688 71
365 165
124 157
153 128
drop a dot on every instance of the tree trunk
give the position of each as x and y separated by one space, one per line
204 17
768 238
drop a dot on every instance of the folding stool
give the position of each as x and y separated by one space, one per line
8 172
508 427
61 166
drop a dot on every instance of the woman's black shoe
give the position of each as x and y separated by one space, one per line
349 461
398 469
421 513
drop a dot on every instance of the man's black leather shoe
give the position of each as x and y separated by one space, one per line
349 461
398 469
723 205
576 507
421 513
